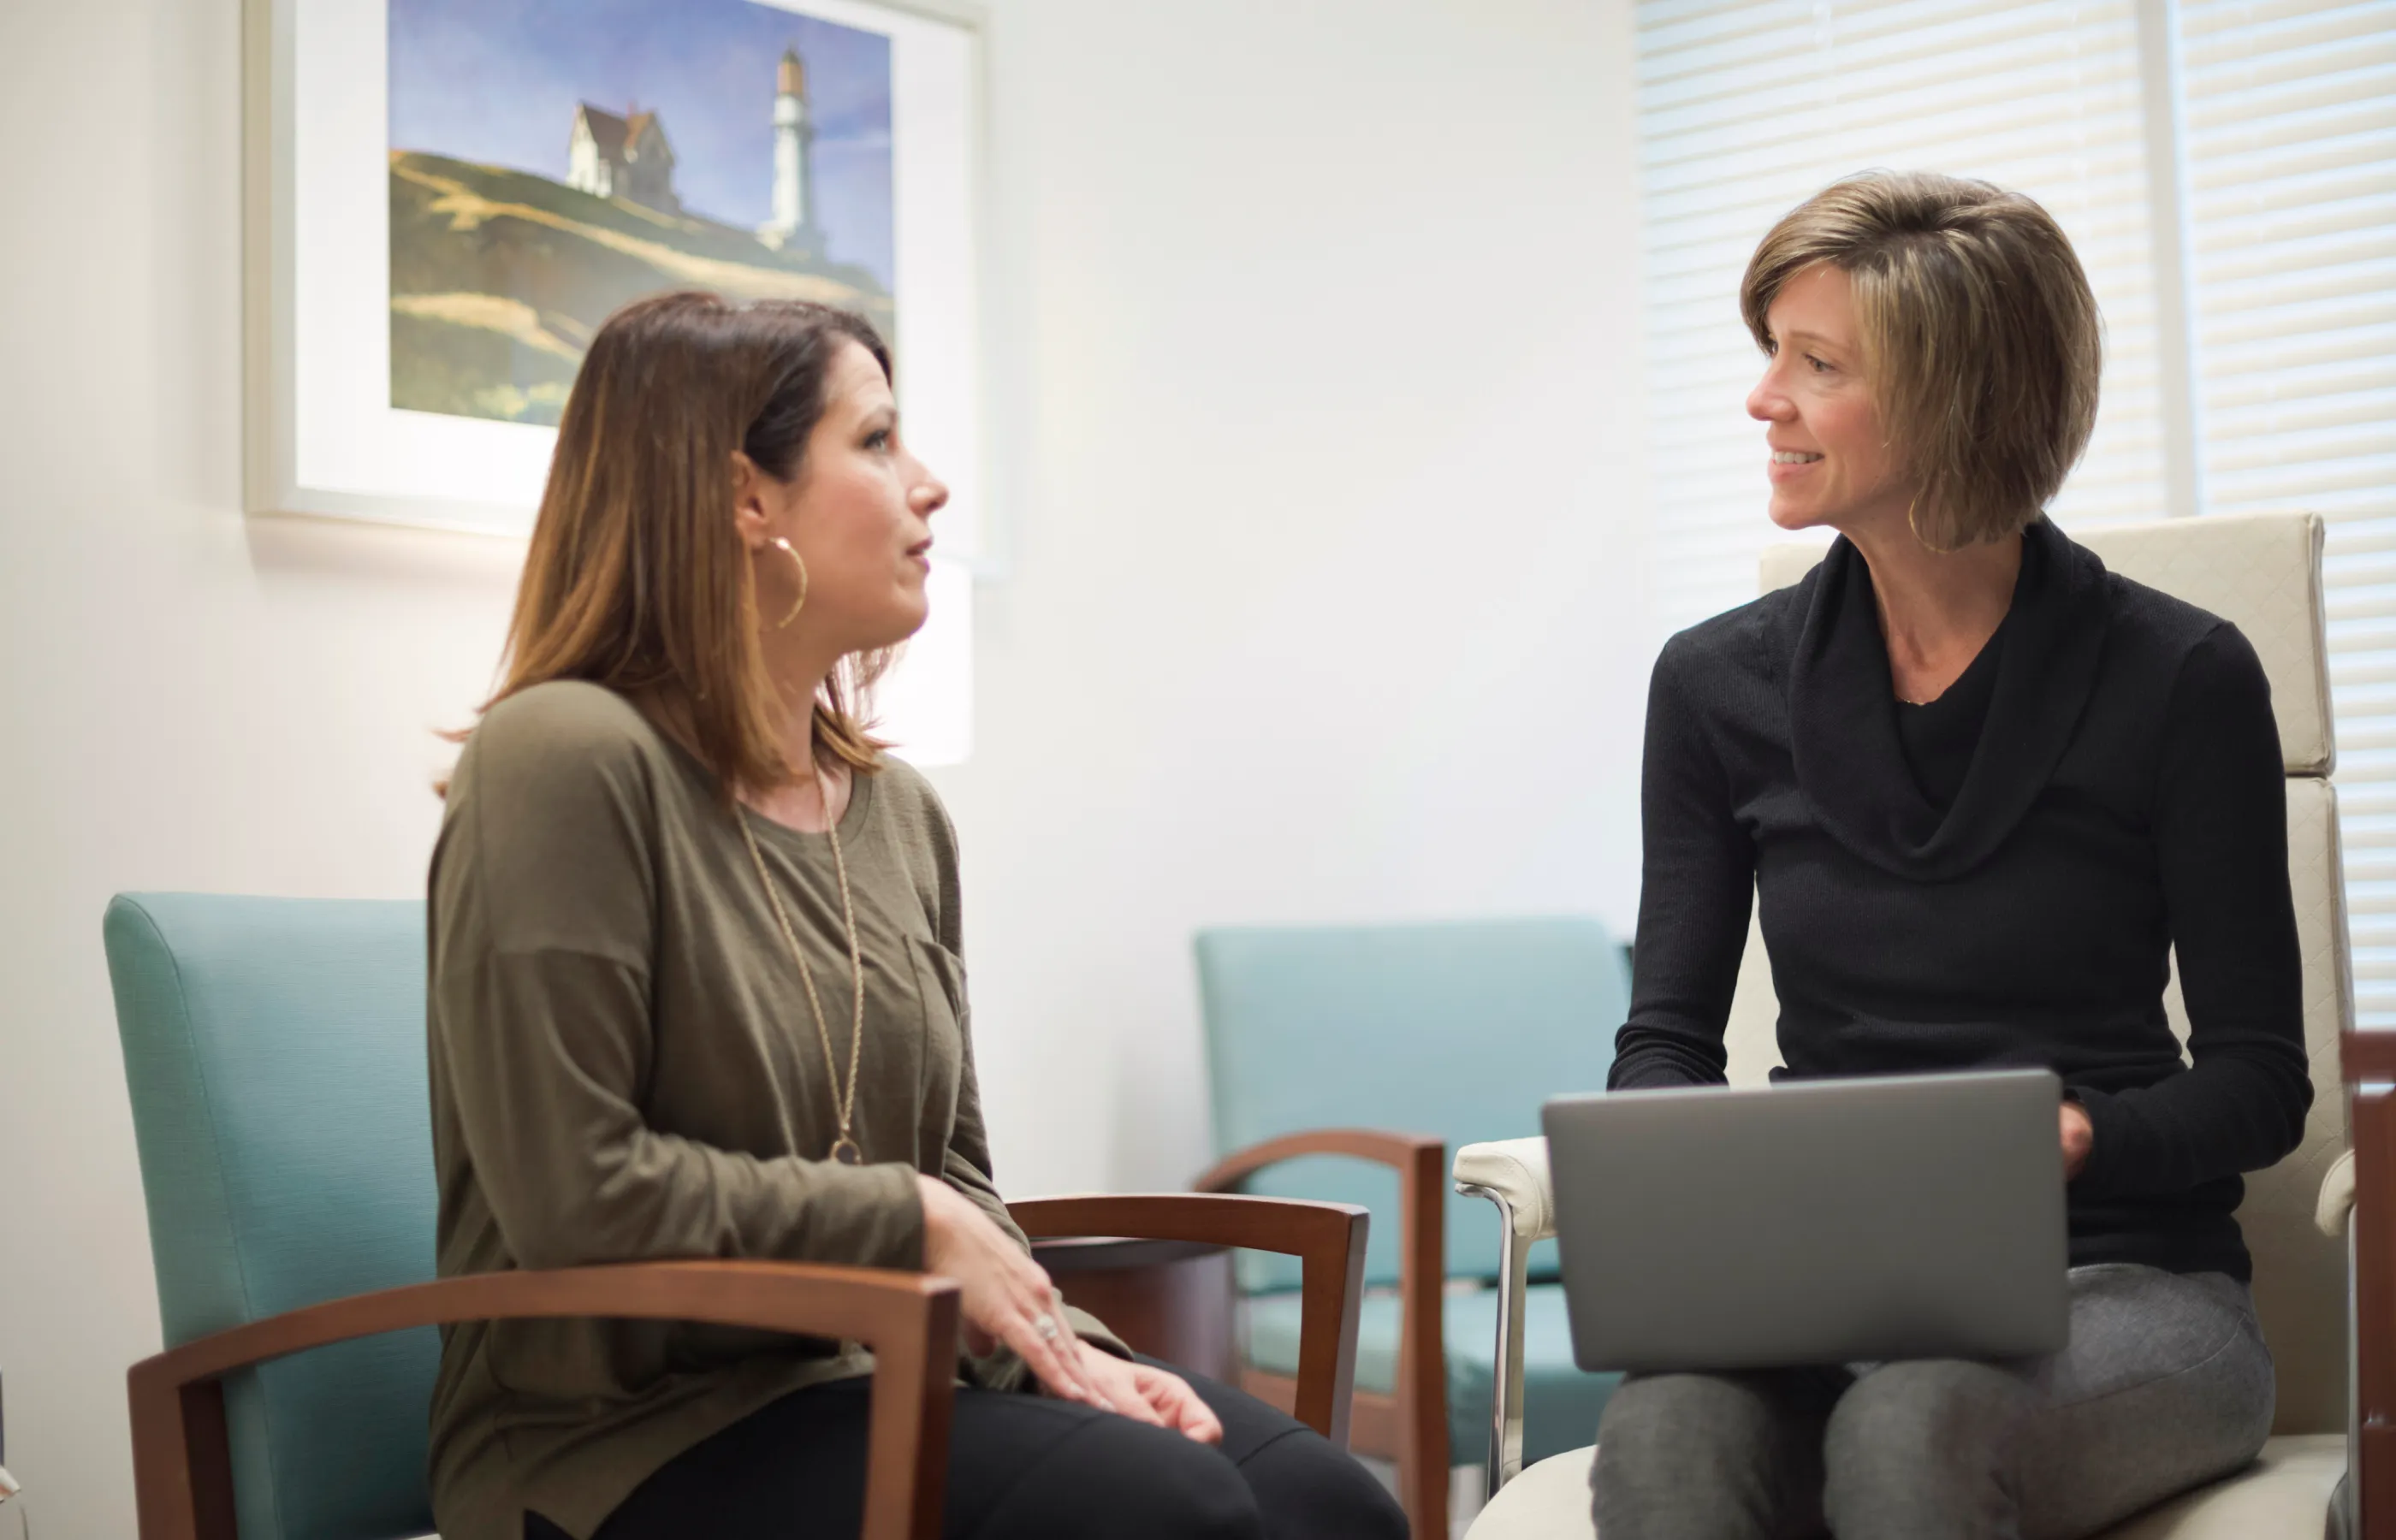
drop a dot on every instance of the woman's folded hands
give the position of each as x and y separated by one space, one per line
1007 1297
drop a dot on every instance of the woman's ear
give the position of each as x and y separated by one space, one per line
749 516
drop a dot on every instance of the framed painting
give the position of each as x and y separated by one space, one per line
445 198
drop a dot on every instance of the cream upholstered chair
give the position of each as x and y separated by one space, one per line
2263 573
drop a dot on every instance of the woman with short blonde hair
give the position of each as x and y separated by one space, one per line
1977 330
1980 788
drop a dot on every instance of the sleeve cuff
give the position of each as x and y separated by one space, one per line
2097 1170
879 1209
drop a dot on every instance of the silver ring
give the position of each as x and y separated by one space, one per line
1046 1326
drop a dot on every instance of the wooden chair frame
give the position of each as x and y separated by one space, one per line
184 1463
1410 1426
2368 1067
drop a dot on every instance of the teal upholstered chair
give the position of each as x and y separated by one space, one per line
1319 1039
275 1054
274 1050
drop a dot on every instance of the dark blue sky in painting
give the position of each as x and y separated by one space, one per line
497 80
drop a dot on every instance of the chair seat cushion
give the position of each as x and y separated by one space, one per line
1560 1403
1547 1501
2284 1495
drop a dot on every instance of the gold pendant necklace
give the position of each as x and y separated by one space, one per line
844 1147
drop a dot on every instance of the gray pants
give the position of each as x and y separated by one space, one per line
2166 1384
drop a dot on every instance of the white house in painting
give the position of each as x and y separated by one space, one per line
622 157
795 137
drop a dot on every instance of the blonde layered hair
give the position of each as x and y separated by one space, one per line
637 577
1980 338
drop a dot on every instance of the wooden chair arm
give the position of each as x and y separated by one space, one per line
2368 1063
1421 1165
1403 1151
182 1465
2367 1056
1328 1238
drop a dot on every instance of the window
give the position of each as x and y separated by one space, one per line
2227 171
2290 170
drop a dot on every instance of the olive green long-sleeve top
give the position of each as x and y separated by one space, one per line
624 1067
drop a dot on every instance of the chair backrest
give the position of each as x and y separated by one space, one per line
275 1053
1458 1030
2261 573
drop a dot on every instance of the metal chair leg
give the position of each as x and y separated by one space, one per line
1505 1420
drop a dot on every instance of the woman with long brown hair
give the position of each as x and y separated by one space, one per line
696 992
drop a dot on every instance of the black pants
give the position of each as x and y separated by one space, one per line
1019 1465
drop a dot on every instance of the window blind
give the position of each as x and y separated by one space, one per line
1747 106
2289 109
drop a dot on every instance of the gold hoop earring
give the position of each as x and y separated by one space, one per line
1914 524
801 601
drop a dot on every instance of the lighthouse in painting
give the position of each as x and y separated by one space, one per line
794 211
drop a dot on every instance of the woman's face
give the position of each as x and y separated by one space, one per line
857 514
1831 462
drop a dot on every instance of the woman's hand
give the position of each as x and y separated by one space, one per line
1153 1396
1006 1296
2079 1133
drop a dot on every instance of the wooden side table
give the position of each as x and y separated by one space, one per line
1170 1299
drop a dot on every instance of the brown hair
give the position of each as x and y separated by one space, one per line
1980 338
637 577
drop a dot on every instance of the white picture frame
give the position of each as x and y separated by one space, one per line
321 436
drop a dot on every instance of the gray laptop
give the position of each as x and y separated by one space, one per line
1812 1222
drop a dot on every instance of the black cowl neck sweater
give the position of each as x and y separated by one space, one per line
1996 880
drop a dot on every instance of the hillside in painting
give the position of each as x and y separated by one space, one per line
499 278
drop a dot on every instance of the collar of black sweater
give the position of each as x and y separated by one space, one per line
1842 723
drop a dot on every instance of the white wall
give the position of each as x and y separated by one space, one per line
1317 355
1320 335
